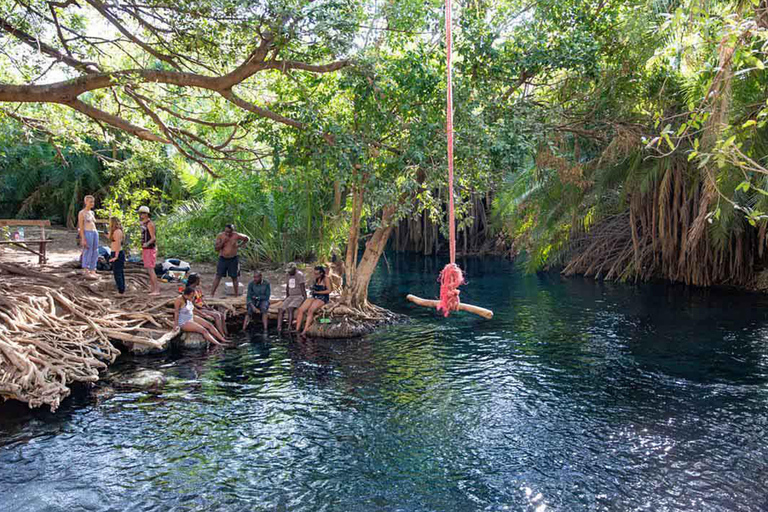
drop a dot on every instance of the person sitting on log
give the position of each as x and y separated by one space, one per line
218 318
295 295
184 318
259 291
321 291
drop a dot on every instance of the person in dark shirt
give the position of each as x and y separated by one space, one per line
321 291
259 292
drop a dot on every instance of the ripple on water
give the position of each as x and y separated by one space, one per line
577 396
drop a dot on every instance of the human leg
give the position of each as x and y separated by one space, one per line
290 318
191 326
264 308
118 270
301 312
210 328
280 319
149 257
91 252
233 269
316 304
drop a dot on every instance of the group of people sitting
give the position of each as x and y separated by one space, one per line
191 314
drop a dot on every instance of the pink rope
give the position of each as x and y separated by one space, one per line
451 277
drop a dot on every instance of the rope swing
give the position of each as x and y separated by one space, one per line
451 276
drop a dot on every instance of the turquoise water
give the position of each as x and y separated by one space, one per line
578 395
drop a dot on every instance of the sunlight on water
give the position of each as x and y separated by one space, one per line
577 396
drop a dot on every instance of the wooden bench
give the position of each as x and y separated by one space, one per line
42 241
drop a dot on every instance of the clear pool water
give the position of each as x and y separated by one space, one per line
578 395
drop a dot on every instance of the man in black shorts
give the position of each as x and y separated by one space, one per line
227 244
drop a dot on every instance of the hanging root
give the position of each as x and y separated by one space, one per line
450 279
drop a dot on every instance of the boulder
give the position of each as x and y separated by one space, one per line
146 379
193 340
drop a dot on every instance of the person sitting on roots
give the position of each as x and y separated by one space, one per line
259 291
184 318
227 244
321 291
218 318
295 295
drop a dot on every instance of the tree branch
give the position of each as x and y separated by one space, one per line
96 4
117 122
36 44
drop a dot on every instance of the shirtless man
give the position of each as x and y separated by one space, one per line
227 244
89 238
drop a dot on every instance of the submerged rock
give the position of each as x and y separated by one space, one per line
146 379
193 340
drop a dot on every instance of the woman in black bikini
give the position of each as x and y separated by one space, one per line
321 291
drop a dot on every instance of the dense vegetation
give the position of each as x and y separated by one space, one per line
617 138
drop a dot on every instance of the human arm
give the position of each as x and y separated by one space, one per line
242 238
249 296
269 292
117 239
81 228
219 244
176 306
303 290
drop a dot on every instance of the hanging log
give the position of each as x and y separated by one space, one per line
469 308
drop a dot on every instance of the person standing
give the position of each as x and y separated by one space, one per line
295 294
116 237
227 244
149 248
259 291
89 238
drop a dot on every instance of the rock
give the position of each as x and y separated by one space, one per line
146 379
193 340
230 290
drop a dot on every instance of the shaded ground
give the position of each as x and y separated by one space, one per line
63 251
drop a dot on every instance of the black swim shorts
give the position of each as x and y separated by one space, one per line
227 267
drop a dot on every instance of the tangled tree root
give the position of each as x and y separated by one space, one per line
350 322
56 330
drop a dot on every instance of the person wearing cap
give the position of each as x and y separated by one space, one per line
295 294
149 248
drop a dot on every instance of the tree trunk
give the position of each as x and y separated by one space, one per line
356 294
354 233
337 196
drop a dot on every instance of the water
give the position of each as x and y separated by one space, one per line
577 396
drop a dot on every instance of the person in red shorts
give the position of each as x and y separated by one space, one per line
149 248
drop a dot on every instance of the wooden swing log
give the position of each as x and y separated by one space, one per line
469 308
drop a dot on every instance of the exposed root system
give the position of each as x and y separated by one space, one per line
56 330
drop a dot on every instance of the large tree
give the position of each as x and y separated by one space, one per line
193 74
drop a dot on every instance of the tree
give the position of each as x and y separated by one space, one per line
155 71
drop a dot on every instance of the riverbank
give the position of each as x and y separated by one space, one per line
58 328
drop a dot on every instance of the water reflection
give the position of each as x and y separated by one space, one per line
577 396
